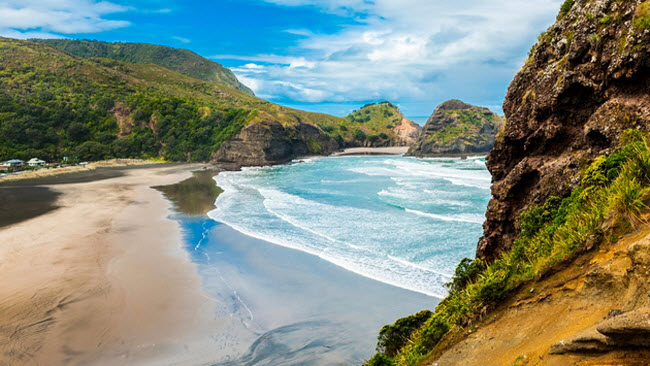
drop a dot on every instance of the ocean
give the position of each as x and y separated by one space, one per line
403 221
307 261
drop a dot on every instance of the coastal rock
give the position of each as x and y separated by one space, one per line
631 329
383 116
269 142
457 128
589 341
408 131
568 105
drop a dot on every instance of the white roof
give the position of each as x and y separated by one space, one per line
36 160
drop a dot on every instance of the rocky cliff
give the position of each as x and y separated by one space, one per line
585 82
270 142
457 128
563 269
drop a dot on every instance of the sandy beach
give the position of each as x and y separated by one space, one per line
102 279
109 272
393 150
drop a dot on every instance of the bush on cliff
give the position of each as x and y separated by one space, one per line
613 197
393 337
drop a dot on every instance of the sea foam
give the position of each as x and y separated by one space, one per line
397 220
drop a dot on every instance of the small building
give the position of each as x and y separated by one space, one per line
36 162
4 167
14 163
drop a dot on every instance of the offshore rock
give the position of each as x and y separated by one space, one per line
457 128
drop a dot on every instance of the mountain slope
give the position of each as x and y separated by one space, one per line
398 131
183 61
55 105
457 128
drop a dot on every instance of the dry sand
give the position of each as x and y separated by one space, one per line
101 280
393 150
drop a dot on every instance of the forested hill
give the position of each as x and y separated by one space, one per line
183 61
55 105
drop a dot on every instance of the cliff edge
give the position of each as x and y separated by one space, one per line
585 82
562 275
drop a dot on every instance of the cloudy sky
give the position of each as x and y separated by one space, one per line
324 55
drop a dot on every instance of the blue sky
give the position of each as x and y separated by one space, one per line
323 55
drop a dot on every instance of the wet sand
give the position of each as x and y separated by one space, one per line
280 306
21 203
102 279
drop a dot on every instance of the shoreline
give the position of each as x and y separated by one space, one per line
76 289
393 150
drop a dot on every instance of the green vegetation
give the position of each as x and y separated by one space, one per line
613 197
393 337
182 61
54 105
467 122
376 121
642 16
606 20
566 8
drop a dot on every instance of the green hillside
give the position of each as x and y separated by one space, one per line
183 61
383 117
55 105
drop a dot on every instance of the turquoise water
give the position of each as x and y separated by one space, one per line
402 221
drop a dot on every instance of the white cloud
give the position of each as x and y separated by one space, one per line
422 51
54 18
182 39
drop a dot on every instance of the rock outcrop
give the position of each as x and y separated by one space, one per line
627 330
585 82
269 142
386 118
457 128
407 131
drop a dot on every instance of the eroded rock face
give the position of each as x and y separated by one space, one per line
586 82
627 330
408 131
269 142
457 128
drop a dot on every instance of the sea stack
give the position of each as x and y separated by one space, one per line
457 128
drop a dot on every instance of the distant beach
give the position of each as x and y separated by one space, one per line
393 150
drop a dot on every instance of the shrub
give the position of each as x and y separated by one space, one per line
380 360
359 135
91 150
565 8
466 272
373 138
314 146
642 16
393 337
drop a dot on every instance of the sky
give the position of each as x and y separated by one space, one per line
329 56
